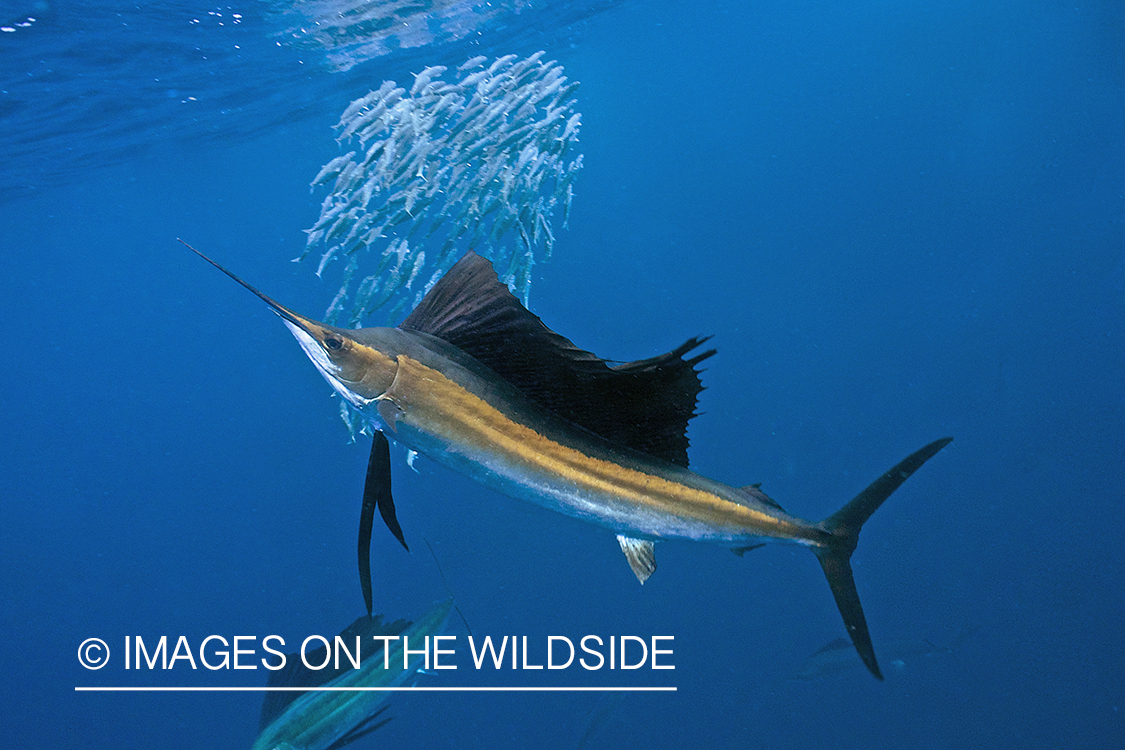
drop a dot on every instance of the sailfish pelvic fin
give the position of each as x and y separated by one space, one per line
376 495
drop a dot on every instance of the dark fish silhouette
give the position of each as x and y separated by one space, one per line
839 656
349 708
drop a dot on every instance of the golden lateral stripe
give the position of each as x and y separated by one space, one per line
472 420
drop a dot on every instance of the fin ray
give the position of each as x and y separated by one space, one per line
641 555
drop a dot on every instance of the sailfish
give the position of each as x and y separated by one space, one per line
475 381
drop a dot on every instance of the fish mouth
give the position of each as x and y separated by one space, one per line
324 365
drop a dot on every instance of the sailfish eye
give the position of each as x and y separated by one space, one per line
333 343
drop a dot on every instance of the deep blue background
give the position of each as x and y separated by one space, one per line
900 220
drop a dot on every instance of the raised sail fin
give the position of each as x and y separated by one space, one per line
643 405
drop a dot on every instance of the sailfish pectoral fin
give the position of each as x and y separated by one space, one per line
376 494
390 412
640 554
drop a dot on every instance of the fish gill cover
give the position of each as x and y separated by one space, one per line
480 162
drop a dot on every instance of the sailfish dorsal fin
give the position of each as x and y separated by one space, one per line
643 405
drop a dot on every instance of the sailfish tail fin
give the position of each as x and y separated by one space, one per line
844 526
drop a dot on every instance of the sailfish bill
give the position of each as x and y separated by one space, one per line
476 382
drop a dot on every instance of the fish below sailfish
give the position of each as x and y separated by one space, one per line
476 382
331 707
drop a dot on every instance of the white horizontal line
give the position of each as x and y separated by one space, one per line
375 689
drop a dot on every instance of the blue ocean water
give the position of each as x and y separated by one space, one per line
900 220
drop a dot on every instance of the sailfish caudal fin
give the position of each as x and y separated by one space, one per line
844 526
